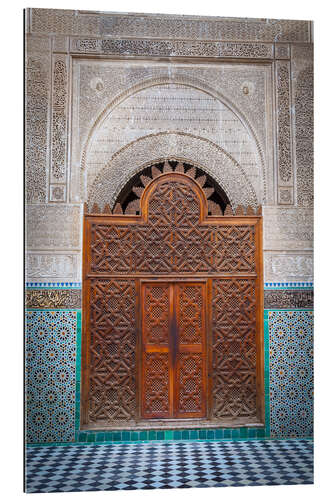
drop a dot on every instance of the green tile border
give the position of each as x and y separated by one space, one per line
78 370
266 372
239 433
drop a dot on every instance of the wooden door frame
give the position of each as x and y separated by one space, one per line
254 220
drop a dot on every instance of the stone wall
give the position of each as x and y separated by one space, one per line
107 94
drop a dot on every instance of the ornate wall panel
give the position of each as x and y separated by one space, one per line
62 21
51 266
159 98
284 145
50 376
288 229
53 239
59 129
60 43
283 105
234 353
288 266
53 227
302 81
172 107
58 193
248 91
291 373
37 100
112 393
168 27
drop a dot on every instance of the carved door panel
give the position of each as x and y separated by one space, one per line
173 350
171 295
190 373
156 353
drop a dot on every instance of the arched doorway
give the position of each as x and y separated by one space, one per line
172 305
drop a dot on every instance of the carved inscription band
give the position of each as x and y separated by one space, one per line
169 48
68 299
53 299
288 299
76 22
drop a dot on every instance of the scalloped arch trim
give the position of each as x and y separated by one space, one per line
172 145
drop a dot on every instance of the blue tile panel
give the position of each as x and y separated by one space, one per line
142 466
50 375
291 373
288 389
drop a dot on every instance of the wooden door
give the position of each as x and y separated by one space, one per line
156 286
173 366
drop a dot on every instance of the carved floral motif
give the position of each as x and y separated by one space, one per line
59 119
303 102
36 121
283 122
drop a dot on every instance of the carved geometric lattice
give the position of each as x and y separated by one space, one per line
112 351
190 368
173 356
234 347
156 314
174 237
190 314
156 384
172 241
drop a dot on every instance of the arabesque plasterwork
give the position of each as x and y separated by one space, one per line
246 117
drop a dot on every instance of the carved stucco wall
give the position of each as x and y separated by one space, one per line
152 98
233 96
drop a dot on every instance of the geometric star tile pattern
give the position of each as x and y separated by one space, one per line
154 465
291 373
50 376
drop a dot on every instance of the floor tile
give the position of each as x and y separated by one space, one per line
154 465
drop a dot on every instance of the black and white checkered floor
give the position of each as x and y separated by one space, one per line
172 464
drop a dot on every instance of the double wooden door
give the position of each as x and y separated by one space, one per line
173 349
